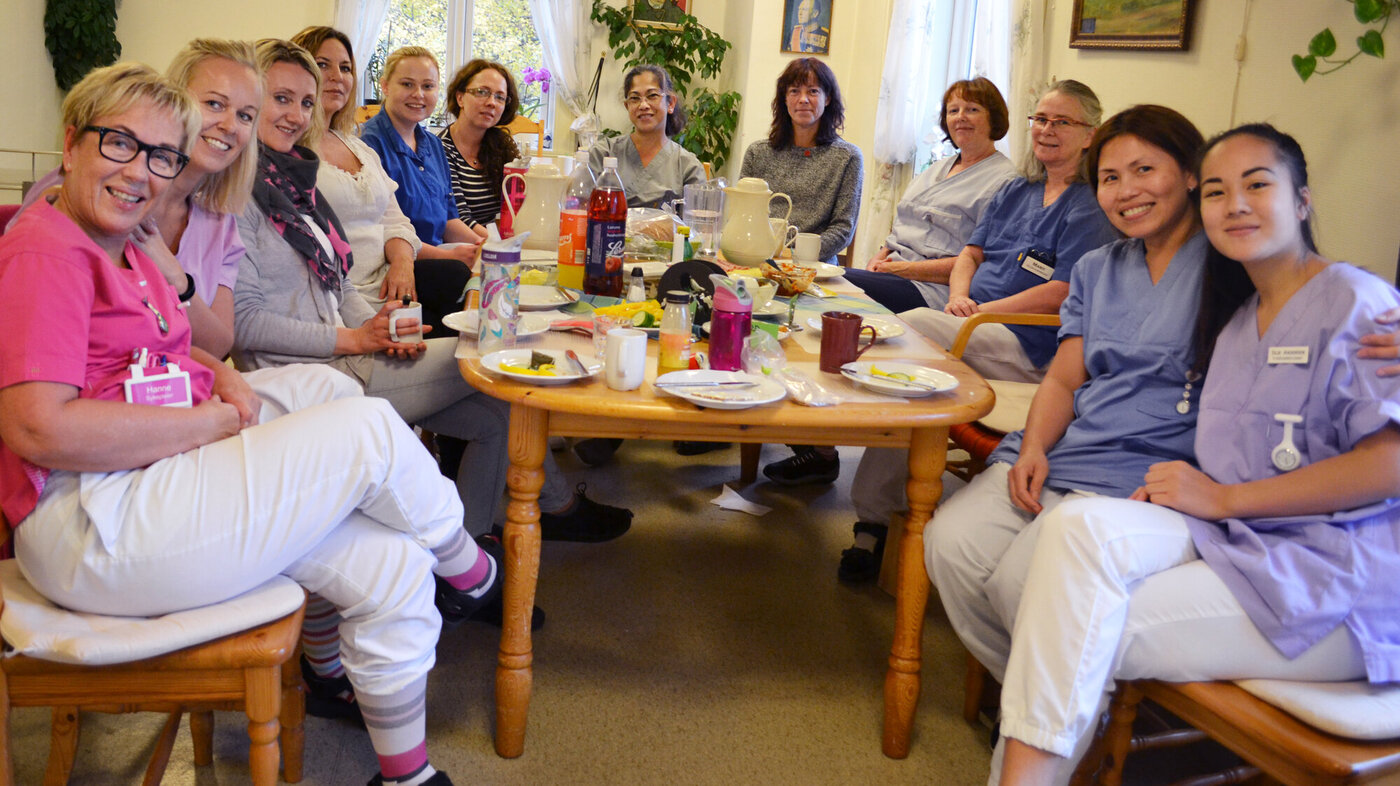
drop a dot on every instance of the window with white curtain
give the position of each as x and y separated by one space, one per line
457 31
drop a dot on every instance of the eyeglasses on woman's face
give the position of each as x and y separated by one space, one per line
122 148
1042 122
652 97
486 94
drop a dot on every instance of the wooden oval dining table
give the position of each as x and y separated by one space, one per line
589 408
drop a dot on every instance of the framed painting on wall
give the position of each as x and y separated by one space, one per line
1131 24
659 13
807 26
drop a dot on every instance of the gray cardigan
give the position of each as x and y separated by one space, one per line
281 312
823 182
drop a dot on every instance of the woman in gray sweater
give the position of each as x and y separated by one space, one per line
804 158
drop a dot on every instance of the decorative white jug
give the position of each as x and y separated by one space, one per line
747 237
539 213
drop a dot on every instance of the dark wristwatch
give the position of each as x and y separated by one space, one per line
188 294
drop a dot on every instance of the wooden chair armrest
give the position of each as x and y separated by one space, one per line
965 332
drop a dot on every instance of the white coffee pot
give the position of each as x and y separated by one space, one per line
747 238
539 213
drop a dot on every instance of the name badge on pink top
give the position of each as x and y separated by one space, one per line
170 389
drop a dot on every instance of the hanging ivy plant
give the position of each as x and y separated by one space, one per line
80 35
1374 14
686 50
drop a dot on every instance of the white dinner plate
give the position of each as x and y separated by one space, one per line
860 373
565 371
826 271
535 297
465 322
884 328
764 391
783 331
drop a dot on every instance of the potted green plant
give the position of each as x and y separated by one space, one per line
687 50
80 36
1321 58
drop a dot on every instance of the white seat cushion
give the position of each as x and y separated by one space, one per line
1013 404
1355 710
33 626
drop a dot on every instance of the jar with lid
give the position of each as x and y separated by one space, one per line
674 354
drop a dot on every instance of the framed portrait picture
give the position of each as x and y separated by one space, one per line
807 26
659 13
1131 24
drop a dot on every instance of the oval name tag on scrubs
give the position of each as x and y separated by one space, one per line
1031 263
1288 356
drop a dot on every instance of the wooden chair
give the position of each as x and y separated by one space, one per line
524 125
240 671
1273 741
364 113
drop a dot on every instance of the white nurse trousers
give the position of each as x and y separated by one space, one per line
1116 589
340 496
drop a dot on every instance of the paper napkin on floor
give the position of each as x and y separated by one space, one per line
729 499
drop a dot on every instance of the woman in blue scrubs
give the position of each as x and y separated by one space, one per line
1119 395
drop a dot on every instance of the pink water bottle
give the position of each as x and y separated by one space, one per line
730 322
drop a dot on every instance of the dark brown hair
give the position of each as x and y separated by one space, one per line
800 72
497 147
982 92
1159 126
310 39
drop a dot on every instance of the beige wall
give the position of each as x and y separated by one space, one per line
150 31
1347 122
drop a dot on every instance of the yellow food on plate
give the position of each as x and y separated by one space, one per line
630 310
876 372
751 272
534 277
546 370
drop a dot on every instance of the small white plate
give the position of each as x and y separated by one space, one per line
535 297
764 391
884 328
465 322
770 309
521 357
826 272
860 373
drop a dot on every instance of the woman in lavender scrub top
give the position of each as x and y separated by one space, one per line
1218 573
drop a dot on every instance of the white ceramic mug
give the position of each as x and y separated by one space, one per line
625 358
807 248
414 311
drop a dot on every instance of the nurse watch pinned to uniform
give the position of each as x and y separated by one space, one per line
1285 455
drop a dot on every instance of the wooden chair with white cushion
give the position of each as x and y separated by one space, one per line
522 126
1296 733
226 656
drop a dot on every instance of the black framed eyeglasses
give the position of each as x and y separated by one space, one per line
485 92
122 148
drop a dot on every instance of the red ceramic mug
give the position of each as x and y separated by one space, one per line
841 339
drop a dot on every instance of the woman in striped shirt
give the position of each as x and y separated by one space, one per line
481 98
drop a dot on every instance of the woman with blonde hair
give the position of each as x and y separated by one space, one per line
191 233
122 507
416 161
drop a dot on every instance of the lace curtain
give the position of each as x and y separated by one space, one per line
361 20
566 38
930 44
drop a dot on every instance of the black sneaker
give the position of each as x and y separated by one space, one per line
859 566
804 467
596 452
456 606
330 697
588 522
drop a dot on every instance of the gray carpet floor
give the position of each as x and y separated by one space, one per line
706 646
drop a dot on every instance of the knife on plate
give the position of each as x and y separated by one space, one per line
737 384
578 364
856 375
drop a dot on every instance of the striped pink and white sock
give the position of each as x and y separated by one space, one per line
398 732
